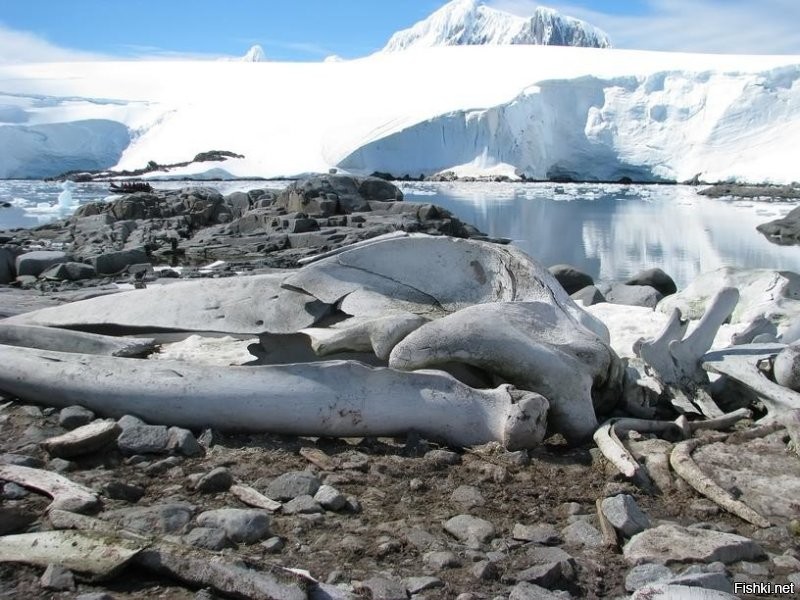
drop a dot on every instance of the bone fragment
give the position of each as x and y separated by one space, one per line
65 340
67 495
253 497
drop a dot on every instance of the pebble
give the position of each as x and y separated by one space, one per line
60 465
330 498
302 505
529 591
672 543
12 491
485 570
161 518
274 545
441 560
293 484
625 515
543 533
83 440
443 458
415 585
72 417
646 574
143 439
182 441
467 496
118 490
384 589
470 530
216 480
581 533
245 526
208 538
56 577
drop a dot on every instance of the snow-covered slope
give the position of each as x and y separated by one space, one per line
471 23
254 54
537 110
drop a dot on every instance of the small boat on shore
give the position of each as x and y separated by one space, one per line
129 187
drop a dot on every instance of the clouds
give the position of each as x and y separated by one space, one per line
25 47
714 26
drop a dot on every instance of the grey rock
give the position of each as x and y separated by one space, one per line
625 515
160 467
751 568
119 490
485 570
631 295
74 416
384 589
302 505
56 577
679 592
470 530
244 526
645 574
441 560
589 296
467 496
655 278
36 262
671 543
94 596
542 533
143 439
14 520
794 578
216 480
784 562
21 460
757 327
60 465
208 538
273 545
293 484
529 591
443 458
581 533
83 440
330 498
12 491
8 259
112 263
548 567
571 278
128 421
709 581
161 518
416 585
68 271
183 442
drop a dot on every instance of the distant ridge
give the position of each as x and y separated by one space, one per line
254 54
472 23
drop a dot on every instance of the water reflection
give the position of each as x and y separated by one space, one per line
614 231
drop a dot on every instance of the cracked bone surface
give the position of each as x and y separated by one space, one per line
533 345
332 398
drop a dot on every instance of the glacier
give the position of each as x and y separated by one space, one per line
470 22
538 111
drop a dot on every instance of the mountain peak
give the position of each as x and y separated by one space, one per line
254 54
471 22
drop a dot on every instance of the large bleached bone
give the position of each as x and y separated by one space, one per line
432 277
677 360
245 304
533 345
335 398
64 340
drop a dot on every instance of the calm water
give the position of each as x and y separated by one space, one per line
609 231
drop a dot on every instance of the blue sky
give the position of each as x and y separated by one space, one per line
314 29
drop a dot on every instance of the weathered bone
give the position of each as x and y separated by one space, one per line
681 460
67 495
254 304
335 398
364 334
64 340
677 360
607 439
534 346
741 364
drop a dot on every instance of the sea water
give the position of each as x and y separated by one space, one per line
609 231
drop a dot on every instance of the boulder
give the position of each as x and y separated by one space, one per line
112 263
655 278
8 259
36 262
69 271
571 278
784 231
336 194
472 531
588 296
631 295
293 484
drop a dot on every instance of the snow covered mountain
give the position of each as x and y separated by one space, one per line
254 54
471 23
541 111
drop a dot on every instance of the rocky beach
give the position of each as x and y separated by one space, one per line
329 392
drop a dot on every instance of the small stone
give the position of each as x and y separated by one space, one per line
581 533
529 591
384 589
59 465
467 497
274 545
14 520
205 594
206 439
161 467
470 530
302 505
208 538
441 560
241 525
12 491
485 571
625 515
679 592
646 574
786 563
56 577
293 484
75 416
570 508
417 485
143 439
118 490
443 458
21 460
538 534
83 440
330 498
416 585
549 567
794 578
672 543
216 480
94 596
708 581
127 421
161 518
183 442
751 568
